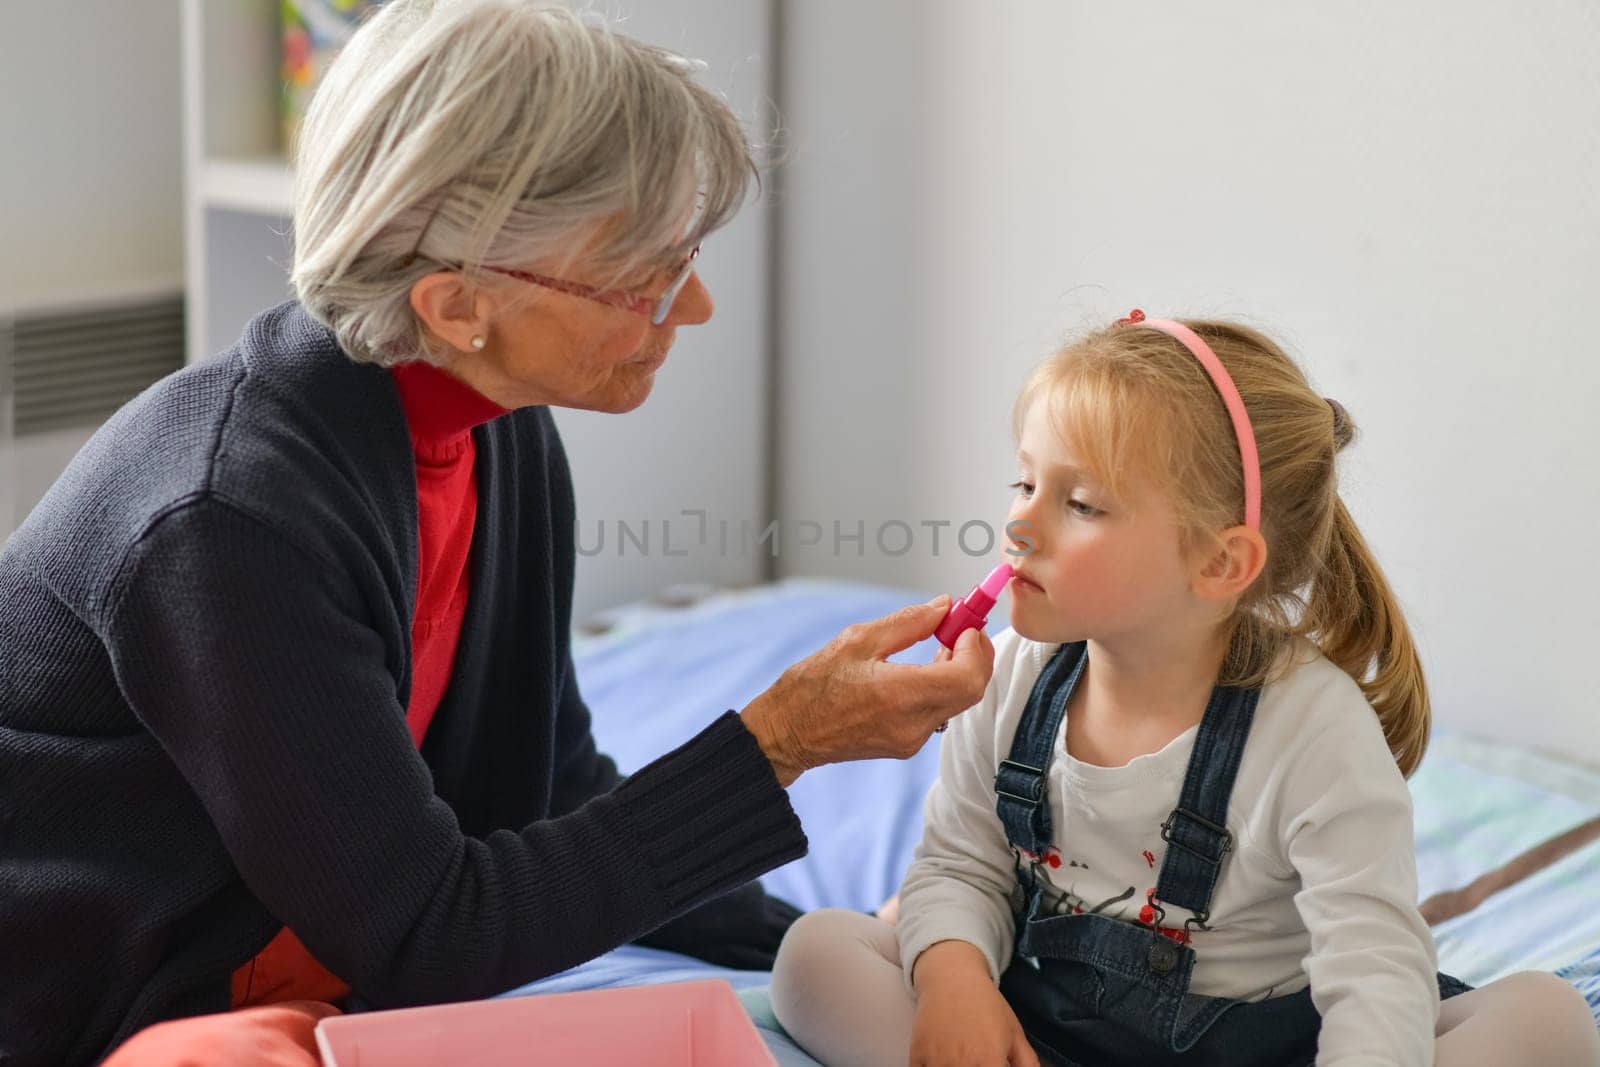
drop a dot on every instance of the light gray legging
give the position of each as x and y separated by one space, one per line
838 990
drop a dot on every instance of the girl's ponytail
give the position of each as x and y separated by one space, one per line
1354 618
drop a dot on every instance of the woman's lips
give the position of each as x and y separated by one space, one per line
1026 583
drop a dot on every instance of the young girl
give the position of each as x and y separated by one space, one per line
1176 830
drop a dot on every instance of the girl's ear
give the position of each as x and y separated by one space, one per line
1228 563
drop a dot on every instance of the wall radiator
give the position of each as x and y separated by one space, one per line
64 367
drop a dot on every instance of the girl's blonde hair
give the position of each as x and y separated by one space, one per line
1136 407
507 133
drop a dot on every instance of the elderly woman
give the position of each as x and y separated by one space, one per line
288 720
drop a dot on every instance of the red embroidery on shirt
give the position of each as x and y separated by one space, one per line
1180 936
1051 858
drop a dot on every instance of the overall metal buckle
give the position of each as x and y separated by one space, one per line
1038 782
1222 832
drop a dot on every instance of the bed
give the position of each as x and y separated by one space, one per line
699 651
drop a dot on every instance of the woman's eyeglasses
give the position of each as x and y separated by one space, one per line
656 307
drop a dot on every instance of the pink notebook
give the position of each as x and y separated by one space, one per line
683 1024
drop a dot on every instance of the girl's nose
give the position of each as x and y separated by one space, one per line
1022 533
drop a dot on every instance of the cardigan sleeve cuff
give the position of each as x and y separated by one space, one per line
710 815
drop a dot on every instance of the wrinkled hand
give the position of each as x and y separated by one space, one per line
847 702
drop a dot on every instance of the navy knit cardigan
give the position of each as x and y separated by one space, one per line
205 642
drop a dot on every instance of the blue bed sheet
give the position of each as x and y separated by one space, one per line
660 674
863 818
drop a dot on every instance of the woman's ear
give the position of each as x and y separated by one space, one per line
1228 563
451 310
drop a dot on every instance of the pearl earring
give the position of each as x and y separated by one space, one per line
479 342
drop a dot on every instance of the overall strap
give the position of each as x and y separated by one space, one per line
1196 832
1019 784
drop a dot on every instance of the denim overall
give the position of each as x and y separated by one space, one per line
1095 991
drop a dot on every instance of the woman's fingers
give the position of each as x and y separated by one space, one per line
959 676
974 642
904 628
847 702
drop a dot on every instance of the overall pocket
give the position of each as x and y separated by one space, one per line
1052 993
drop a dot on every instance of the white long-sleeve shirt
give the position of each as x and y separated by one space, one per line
1321 884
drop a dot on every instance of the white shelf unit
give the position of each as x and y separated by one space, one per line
237 183
264 186
700 444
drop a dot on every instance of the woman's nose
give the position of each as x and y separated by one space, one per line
693 304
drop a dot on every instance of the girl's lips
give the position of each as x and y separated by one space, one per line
1026 583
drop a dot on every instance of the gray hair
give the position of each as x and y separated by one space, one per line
514 133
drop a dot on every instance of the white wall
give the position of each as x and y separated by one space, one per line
89 109
1405 194
89 176
699 442
855 321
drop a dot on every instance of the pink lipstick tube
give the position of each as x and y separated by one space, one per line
973 609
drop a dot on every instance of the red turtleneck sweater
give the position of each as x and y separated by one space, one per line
440 413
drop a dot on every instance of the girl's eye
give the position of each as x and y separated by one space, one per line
1077 507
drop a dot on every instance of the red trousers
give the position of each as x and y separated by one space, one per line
276 1035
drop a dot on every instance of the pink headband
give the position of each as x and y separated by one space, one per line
1230 396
